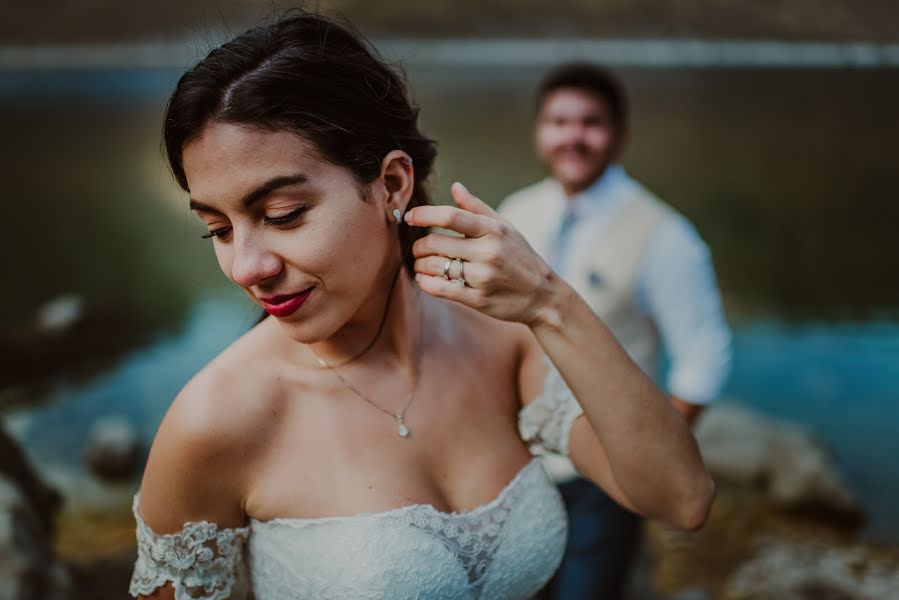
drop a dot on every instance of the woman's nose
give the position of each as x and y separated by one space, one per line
253 262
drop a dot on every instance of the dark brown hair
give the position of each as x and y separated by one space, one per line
306 74
592 79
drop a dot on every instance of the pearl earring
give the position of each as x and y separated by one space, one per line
397 215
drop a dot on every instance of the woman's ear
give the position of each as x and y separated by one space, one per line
398 177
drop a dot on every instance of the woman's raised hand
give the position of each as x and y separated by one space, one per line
490 268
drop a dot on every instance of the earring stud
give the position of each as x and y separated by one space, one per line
397 215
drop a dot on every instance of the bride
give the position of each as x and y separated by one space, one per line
373 437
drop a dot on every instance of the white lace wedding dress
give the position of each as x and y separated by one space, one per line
506 549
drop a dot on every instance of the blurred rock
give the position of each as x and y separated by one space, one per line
61 313
744 522
778 527
734 444
67 334
14 466
747 449
804 476
28 568
789 571
113 448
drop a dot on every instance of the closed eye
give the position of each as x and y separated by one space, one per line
220 233
286 219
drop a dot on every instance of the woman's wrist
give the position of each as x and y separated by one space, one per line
554 300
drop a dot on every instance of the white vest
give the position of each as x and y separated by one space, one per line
606 275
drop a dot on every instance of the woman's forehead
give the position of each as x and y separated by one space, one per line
227 159
220 142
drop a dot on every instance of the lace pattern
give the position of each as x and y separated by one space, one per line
475 536
201 561
503 550
545 423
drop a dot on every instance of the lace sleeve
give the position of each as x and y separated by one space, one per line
545 423
201 561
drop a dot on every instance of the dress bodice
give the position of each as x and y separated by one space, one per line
506 549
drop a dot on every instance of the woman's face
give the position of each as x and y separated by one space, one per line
291 228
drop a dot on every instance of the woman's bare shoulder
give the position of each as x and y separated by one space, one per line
231 398
204 448
505 335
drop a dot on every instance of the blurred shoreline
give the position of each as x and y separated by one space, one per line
490 52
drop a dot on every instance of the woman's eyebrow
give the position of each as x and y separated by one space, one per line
256 194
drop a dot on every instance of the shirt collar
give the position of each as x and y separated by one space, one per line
599 194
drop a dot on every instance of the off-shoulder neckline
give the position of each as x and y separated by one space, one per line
392 512
400 510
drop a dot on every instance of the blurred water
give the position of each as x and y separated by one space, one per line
139 387
790 176
841 381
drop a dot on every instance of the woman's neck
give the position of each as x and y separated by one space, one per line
386 328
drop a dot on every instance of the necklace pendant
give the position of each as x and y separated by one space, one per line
401 426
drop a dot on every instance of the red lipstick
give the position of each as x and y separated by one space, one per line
284 306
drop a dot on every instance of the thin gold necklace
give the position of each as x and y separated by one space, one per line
400 417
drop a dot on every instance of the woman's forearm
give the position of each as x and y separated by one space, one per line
649 447
650 451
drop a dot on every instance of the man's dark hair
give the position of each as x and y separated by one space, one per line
592 79
308 75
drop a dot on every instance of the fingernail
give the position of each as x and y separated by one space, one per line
462 185
408 216
418 277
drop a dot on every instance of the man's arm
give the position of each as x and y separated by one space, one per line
678 288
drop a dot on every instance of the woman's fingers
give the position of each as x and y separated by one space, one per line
455 219
466 200
502 274
473 273
439 266
450 246
473 217
450 290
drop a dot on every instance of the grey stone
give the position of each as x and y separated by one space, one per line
734 445
743 447
14 465
113 448
803 474
28 568
61 313
789 571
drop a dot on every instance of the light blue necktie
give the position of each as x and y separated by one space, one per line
559 248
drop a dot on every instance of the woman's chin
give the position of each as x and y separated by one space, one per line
300 331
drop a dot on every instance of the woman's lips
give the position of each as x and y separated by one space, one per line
284 306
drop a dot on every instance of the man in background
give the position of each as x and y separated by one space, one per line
642 268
